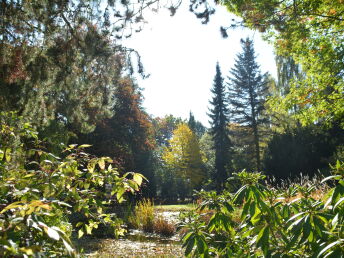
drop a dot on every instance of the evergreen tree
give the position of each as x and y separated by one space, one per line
61 61
247 92
219 131
196 126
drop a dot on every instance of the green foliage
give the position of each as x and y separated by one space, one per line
247 95
311 33
127 137
305 150
39 191
196 126
273 222
61 60
219 118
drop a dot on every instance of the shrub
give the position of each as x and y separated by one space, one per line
38 192
272 223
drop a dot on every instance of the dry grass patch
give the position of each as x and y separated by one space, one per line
163 227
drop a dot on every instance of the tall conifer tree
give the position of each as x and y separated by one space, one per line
247 92
218 114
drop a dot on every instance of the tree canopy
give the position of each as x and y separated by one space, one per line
184 155
311 32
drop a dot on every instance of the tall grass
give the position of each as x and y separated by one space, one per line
143 217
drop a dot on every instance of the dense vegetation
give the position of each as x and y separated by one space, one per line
73 125
296 221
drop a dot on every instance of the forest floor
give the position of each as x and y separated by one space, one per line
138 243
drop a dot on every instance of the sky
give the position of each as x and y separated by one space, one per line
180 54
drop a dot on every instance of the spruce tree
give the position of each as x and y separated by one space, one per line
196 126
218 114
247 92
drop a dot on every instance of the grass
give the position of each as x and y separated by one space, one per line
176 207
163 227
143 217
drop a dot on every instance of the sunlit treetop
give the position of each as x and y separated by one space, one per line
311 32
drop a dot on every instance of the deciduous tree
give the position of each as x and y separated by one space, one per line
184 156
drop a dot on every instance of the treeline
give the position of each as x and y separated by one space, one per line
73 80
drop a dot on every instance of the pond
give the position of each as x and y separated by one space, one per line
136 243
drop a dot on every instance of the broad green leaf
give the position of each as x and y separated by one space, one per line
190 245
338 203
52 233
328 247
296 215
101 164
137 178
80 233
201 245
263 239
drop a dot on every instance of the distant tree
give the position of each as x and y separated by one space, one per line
305 150
128 136
311 32
218 114
164 127
247 94
287 70
206 144
196 126
184 156
243 153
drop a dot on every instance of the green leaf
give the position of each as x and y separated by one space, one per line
80 233
335 220
263 239
137 178
190 245
201 245
101 164
88 229
84 146
328 247
187 236
338 203
240 194
296 215
68 246
52 233
296 225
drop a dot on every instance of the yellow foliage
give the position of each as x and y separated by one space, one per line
184 155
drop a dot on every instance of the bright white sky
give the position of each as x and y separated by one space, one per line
180 54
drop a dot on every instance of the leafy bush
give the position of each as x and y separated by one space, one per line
39 191
273 222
